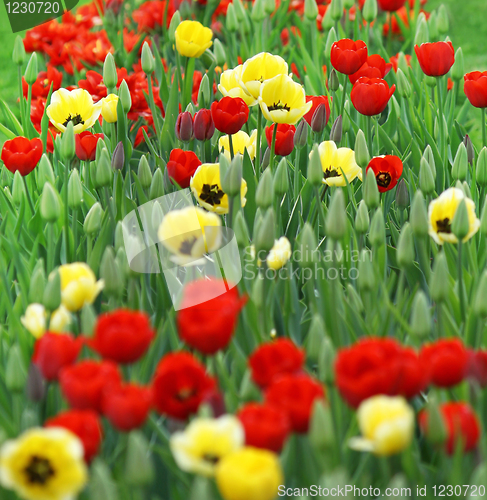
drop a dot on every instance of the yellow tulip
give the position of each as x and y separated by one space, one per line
279 254
386 424
60 319
190 233
44 464
34 320
249 474
206 187
192 38
78 285
73 106
241 142
338 164
282 100
257 70
205 442
229 86
441 212
109 108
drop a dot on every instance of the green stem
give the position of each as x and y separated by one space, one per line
484 134
296 175
257 148
344 94
50 247
21 102
66 212
27 193
460 281
273 148
75 231
369 136
230 142
443 147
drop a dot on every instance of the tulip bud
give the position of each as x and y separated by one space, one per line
460 163
336 130
18 55
336 10
460 224
31 70
481 169
144 173
258 12
458 68
310 10
102 486
437 432
203 94
402 195
307 246
93 218
430 158
318 121
264 239
184 127
333 83
68 145
88 319
18 189
36 387
124 95
231 19
45 173
321 433
175 22
52 292
110 77
316 334
480 304
418 216
15 372
204 127
371 191
422 32
139 466
315 172
362 156
403 85
75 190
470 149
332 36
269 6
377 233
432 26
326 361
104 173
366 280
219 52
110 274
224 163
50 207
440 279
264 195
281 179
362 220
336 221
369 11
119 242
232 181
266 159
37 282
147 60
426 179
157 185
405 247
118 158
241 230
301 134
348 4
442 22
420 315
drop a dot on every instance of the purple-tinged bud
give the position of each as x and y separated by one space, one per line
204 128
470 150
118 158
318 122
333 83
184 127
336 130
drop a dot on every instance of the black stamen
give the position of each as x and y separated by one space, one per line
212 194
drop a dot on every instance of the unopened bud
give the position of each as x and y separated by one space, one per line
460 163
362 156
175 22
18 55
125 97
301 134
440 279
405 247
419 216
336 130
264 195
104 173
204 127
362 219
458 68
147 60
307 245
336 10
68 144
315 171
377 233
310 10
371 191
281 178
426 179
157 185
370 10
460 224
110 77
50 207
420 315
319 119
75 190
144 172
31 70
470 149
231 19
337 220
403 85
118 157
184 127
92 222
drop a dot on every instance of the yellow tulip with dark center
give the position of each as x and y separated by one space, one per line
74 106
282 100
190 233
206 187
229 86
338 164
257 70
192 38
441 212
241 141
44 464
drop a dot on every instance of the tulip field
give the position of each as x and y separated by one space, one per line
243 251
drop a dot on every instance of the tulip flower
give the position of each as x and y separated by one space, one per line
229 114
229 86
317 100
279 254
374 67
34 320
206 187
192 38
338 164
86 145
22 155
391 5
442 211
387 170
386 424
370 95
348 56
241 142
73 106
204 128
185 127
436 58
284 138
181 166
109 108
476 88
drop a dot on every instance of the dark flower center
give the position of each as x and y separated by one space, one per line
212 194
329 172
383 179
213 459
444 226
39 470
279 105
187 245
76 119
185 393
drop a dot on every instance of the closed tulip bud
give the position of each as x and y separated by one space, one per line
442 22
458 68
460 225
144 173
316 334
481 169
124 95
264 196
68 145
405 247
437 432
50 207
431 82
45 173
139 466
460 163
18 189
231 21
18 55
110 77
175 22
371 191
315 171
369 11
157 185
184 127
480 304
470 149
318 121
301 134
147 60
118 157
362 156
266 159
307 246
204 127
419 216
52 293
348 4
403 86
336 130
37 282
336 10
310 10
15 372
31 70
426 179
88 320
336 221
377 233
402 195
36 386
232 181
429 156
432 25
362 220
321 427
269 6
224 163
104 173
75 190
110 273
420 315
422 32
326 361
219 52
483 219
333 83
264 239
332 36
118 236
203 95
440 279
93 218
366 280
281 178
258 11
102 486
241 230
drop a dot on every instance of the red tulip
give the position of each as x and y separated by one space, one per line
86 145
317 100
477 367
122 335
204 128
42 85
295 395
127 406
182 165
348 56
180 385
371 95
54 351
395 61
275 358
476 88
265 426
83 423
436 58
22 155
447 361
185 127
387 170
374 67
206 320
391 5
229 114
83 384
284 138
462 426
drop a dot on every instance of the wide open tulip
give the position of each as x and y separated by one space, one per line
436 58
22 155
348 56
182 165
374 67
371 95
229 114
387 170
476 88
